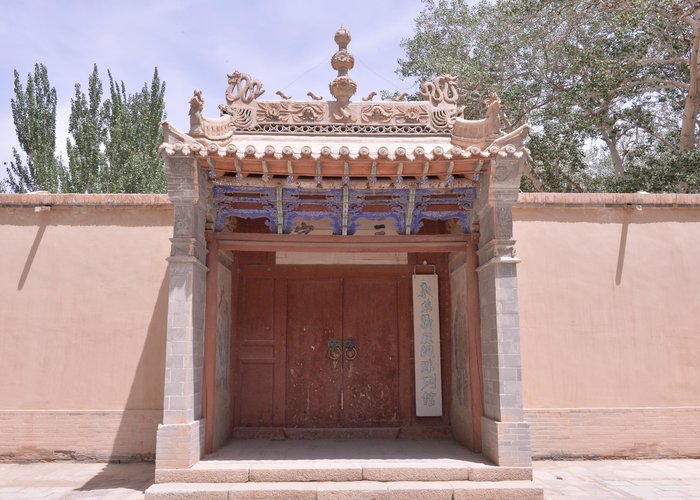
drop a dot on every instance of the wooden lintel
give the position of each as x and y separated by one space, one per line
351 169
264 242
335 183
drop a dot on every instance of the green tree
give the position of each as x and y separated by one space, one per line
133 135
34 115
86 160
583 72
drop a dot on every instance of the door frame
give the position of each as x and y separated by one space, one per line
263 264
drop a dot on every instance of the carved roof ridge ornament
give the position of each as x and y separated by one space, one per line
436 119
245 113
342 87
482 132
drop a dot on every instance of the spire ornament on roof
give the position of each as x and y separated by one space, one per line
245 113
342 87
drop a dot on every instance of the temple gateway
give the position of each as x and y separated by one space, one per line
340 316
342 269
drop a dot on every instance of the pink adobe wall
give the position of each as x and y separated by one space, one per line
83 320
609 292
609 297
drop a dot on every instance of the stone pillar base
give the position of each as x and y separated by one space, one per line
179 446
506 443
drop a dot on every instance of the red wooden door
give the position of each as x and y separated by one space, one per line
342 352
314 313
371 378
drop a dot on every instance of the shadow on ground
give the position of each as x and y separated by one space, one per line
136 477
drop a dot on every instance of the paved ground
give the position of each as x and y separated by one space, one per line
74 480
619 478
569 479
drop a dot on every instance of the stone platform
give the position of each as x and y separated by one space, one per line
333 468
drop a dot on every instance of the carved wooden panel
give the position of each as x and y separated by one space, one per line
254 352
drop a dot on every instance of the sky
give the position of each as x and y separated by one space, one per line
287 45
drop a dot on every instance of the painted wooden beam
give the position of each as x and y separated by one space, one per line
264 242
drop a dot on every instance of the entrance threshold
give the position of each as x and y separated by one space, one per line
343 460
279 433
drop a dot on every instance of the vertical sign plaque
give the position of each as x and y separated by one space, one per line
426 342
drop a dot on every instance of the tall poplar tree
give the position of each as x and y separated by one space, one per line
133 135
34 115
113 146
86 160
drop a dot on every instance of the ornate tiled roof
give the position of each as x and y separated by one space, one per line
342 130
395 163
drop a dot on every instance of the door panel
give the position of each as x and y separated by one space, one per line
254 377
314 312
371 379
258 403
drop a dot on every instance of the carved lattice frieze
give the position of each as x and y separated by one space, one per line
245 203
312 205
378 205
453 204
293 210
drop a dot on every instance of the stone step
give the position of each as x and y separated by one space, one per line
340 471
346 490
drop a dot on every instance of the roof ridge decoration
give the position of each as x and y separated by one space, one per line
245 113
395 130
342 87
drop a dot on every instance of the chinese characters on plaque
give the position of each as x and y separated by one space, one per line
426 337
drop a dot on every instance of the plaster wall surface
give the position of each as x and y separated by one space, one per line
82 322
609 294
608 303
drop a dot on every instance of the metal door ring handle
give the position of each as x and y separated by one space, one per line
334 348
351 349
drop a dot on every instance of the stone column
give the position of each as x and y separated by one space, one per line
505 436
180 439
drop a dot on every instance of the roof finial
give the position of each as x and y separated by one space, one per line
342 87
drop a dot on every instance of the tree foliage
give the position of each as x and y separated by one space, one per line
133 137
34 115
112 145
86 127
585 73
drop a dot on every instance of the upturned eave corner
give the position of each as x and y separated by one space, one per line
175 142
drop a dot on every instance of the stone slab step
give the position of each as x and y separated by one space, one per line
350 490
339 471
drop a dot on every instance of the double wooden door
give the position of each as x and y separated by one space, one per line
337 344
342 352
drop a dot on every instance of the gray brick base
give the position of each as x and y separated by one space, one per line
179 445
506 443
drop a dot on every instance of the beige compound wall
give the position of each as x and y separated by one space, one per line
609 297
83 303
609 290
